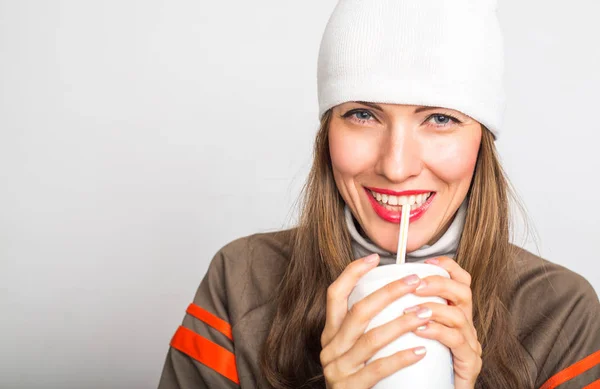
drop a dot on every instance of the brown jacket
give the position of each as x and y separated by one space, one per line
557 314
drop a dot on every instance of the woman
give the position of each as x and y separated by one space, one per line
411 100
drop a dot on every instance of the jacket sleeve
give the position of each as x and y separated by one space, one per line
201 353
563 331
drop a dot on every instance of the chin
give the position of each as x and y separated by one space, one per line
414 244
390 242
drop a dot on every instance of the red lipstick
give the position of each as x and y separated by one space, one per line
401 193
395 216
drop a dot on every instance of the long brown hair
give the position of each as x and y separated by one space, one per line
321 249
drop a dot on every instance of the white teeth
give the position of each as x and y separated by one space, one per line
414 201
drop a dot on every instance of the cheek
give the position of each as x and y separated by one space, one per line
351 154
453 160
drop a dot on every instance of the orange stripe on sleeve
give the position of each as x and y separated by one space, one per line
573 371
218 324
206 352
593 385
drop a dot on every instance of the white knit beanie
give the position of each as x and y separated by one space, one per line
443 53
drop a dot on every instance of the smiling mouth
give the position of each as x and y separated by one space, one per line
395 203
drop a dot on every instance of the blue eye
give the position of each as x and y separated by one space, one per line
362 116
443 120
359 115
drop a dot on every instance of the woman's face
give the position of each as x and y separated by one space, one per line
383 155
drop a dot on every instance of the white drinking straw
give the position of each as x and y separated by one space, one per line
403 235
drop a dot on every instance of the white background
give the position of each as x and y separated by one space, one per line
138 137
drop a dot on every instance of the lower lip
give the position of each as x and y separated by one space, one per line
395 216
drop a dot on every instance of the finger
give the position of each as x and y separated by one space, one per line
373 340
383 367
452 318
456 272
456 293
338 292
453 339
451 290
358 317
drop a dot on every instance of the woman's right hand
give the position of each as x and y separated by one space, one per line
346 346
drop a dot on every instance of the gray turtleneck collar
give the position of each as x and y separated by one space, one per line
445 246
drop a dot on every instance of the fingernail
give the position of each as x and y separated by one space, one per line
422 285
424 313
422 328
411 309
420 350
411 279
432 261
371 258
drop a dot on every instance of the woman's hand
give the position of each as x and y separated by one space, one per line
452 324
346 346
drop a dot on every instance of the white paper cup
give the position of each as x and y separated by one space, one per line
435 370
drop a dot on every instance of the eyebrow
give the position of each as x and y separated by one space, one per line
417 110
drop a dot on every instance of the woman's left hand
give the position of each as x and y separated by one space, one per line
452 324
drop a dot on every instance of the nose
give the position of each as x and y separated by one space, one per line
400 157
